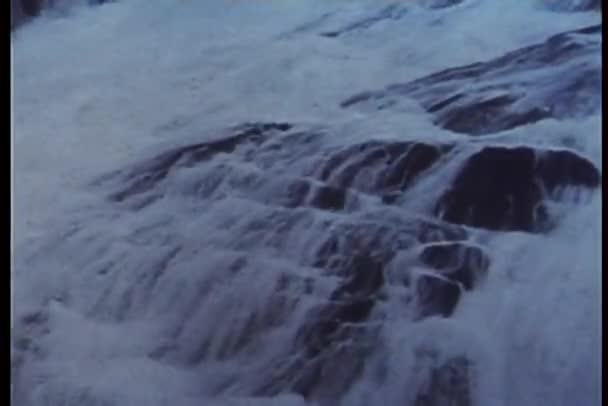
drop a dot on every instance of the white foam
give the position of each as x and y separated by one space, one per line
96 88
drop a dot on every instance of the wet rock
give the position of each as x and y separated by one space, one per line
379 235
365 153
449 385
147 175
350 303
327 251
428 232
335 335
559 78
296 193
503 188
483 116
376 167
31 8
302 193
331 346
459 262
329 198
23 10
457 267
436 296
418 158
563 168
380 167
391 198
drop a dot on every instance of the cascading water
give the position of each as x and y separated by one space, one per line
391 221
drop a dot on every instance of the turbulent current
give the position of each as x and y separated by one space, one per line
307 202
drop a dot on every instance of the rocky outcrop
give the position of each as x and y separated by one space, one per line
275 233
556 79
457 267
503 188
325 209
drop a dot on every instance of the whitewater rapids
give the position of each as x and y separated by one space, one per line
166 293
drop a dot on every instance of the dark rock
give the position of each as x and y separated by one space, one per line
380 167
436 296
332 344
23 10
391 198
380 237
327 251
418 158
330 34
365 279
503 188
148 174
334 332
564 168
428 232
458 265
36 317
457 261
439 4
449 385
32 8
296 193
481 117
365 154
559 78
362 97
329 198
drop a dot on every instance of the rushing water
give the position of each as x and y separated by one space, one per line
166 252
